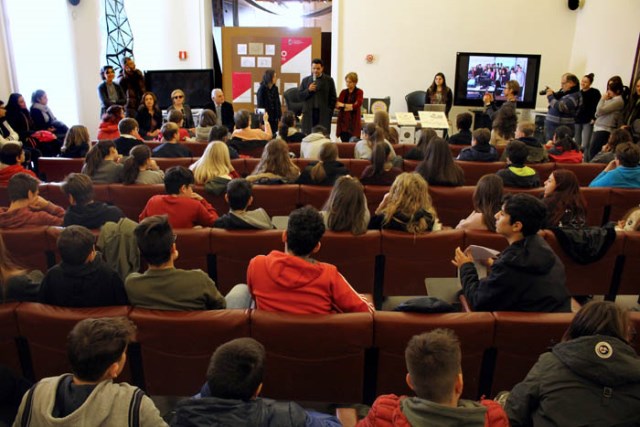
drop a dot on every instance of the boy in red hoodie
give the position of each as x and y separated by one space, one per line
12 159
27 208
293 282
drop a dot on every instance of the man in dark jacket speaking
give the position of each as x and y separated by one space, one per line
318 92
528 275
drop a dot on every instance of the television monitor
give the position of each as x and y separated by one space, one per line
480 73
196 85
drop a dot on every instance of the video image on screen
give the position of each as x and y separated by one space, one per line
490 74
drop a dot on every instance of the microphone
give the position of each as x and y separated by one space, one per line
314 77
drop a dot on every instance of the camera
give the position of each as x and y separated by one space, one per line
544 91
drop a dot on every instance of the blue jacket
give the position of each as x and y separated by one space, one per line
621 177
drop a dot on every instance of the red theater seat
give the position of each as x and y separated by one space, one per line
374 195
597 200
165 163
621 200
46 327
392 332
176 346
346 150
276 199
233 251
133 198
630 279
452 203
543 169
354 256
314 195
27 246
193 245
9 356
520 338
585 172
487 239
409 259
591 279
56 168
473 171
357 166
311 357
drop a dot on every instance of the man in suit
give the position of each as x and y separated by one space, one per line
223 109
318 92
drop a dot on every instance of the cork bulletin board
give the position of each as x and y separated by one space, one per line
248 52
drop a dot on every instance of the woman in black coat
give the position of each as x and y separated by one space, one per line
269 97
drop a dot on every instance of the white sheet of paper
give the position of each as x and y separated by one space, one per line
444 288
256 86
242 49
368 118
433 120
405 119
264 62
248 62
270 49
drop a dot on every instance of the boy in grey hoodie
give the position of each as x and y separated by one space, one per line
239 198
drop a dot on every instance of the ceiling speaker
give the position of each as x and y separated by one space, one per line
573 4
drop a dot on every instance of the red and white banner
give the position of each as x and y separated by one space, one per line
295 55
241 87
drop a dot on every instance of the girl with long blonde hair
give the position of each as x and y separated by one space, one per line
275 165
214 169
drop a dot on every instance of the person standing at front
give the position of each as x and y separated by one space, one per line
318 93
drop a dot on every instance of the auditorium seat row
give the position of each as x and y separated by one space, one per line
386 263
55 168
342 358
452 203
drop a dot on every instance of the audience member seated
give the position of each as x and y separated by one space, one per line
214 169
222 108
149 117
434 373
293 282
239 198
537 153
129 136
7 134
564 148
83 210
43 117
162 286
19 117
12 160
463 123
108 128
438 167
371 134
76 143
170 146
503 128
528 275
230 395
184 207
288 130
326 170
176 117
109 92
592 377
623 172
418 152
630 221
618 136
82 279
27 208
346 208
275 166
381 119
243 132
487 201
481 150
17 283
178 105
140 168
221 133
381 170
310 146
102 163
205 123
407 207
516 174
97 351
565 203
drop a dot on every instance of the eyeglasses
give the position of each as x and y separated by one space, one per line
178 97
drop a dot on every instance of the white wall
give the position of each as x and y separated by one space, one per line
605 39
414 39
5 68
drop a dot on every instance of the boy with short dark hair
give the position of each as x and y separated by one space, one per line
434 365
89 397
171 136
517 174
537 153
162 286
83 210
293 282
463 123
528 275
480 150
623 171
27 207
82 279
129 136
234 382
185 207
12 158
239 198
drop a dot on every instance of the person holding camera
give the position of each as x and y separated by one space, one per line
563 105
